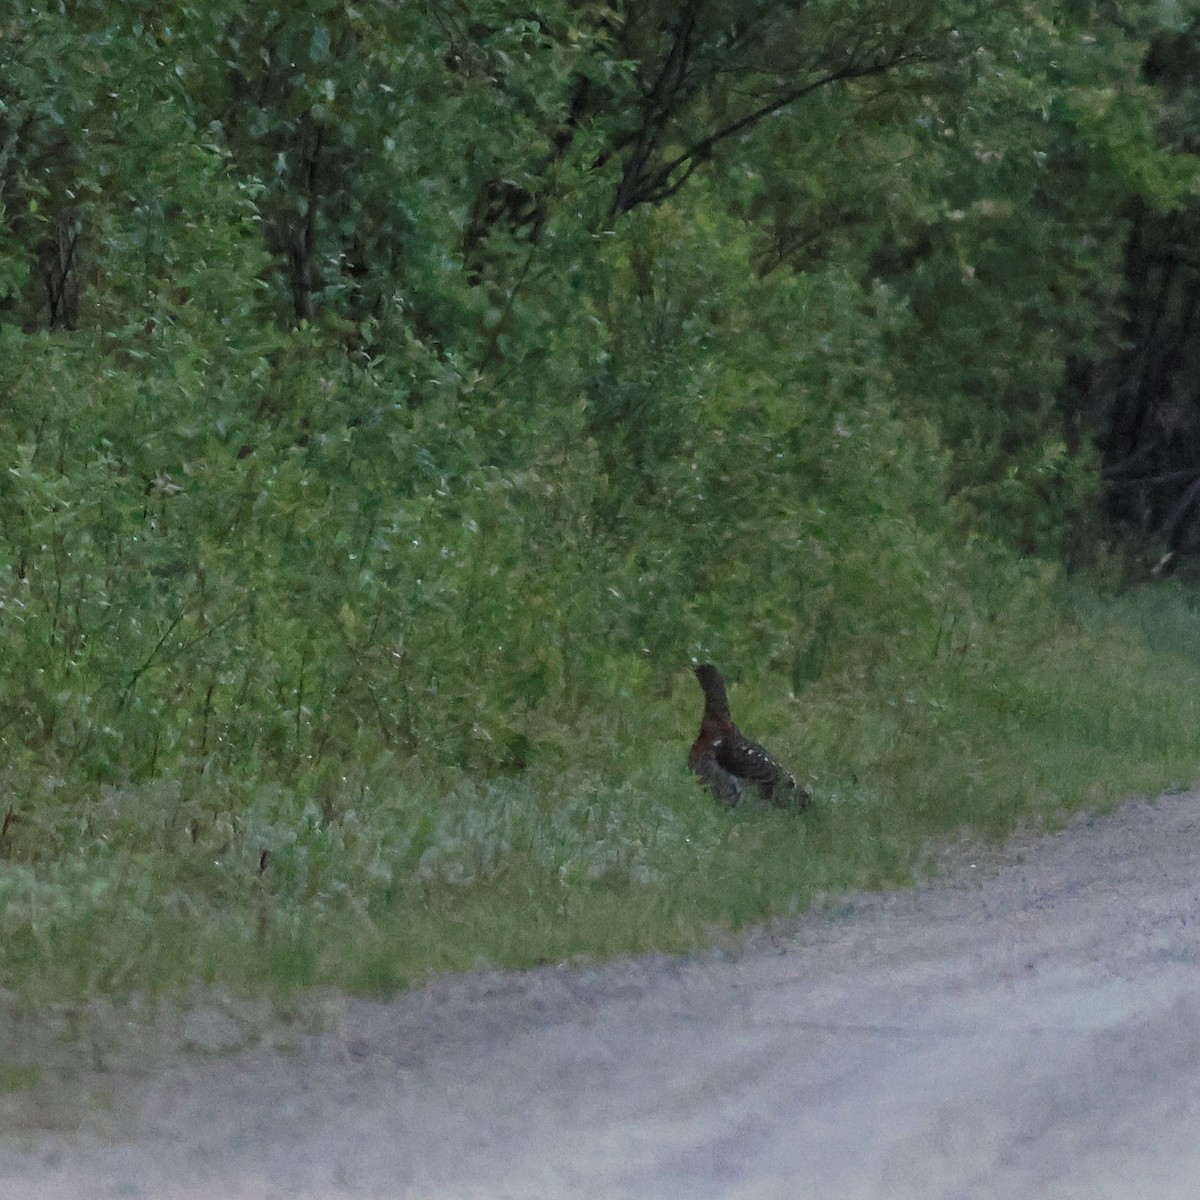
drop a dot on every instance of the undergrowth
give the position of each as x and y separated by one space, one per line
370 879
343 649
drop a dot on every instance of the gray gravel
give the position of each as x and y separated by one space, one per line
1030 1027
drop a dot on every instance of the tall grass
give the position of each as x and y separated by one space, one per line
371 879
318 671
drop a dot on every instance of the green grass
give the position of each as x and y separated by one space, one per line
604 845
18 1077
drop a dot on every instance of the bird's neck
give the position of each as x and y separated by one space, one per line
716 723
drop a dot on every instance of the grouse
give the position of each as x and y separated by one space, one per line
727 761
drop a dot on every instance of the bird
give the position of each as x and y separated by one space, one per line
728 762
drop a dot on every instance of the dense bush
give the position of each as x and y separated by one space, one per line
394 399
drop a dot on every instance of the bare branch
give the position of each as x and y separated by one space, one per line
661 186
868 51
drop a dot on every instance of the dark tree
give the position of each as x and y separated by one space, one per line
1144 400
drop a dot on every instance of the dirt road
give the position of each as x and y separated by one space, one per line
1029 1029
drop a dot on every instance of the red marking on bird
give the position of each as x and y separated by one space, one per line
727 761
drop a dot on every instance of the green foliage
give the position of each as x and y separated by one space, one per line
371 875
393 399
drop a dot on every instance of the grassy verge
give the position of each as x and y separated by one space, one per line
373 878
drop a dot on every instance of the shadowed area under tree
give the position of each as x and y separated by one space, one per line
1142 402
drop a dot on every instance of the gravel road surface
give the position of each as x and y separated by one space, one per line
1027 1027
